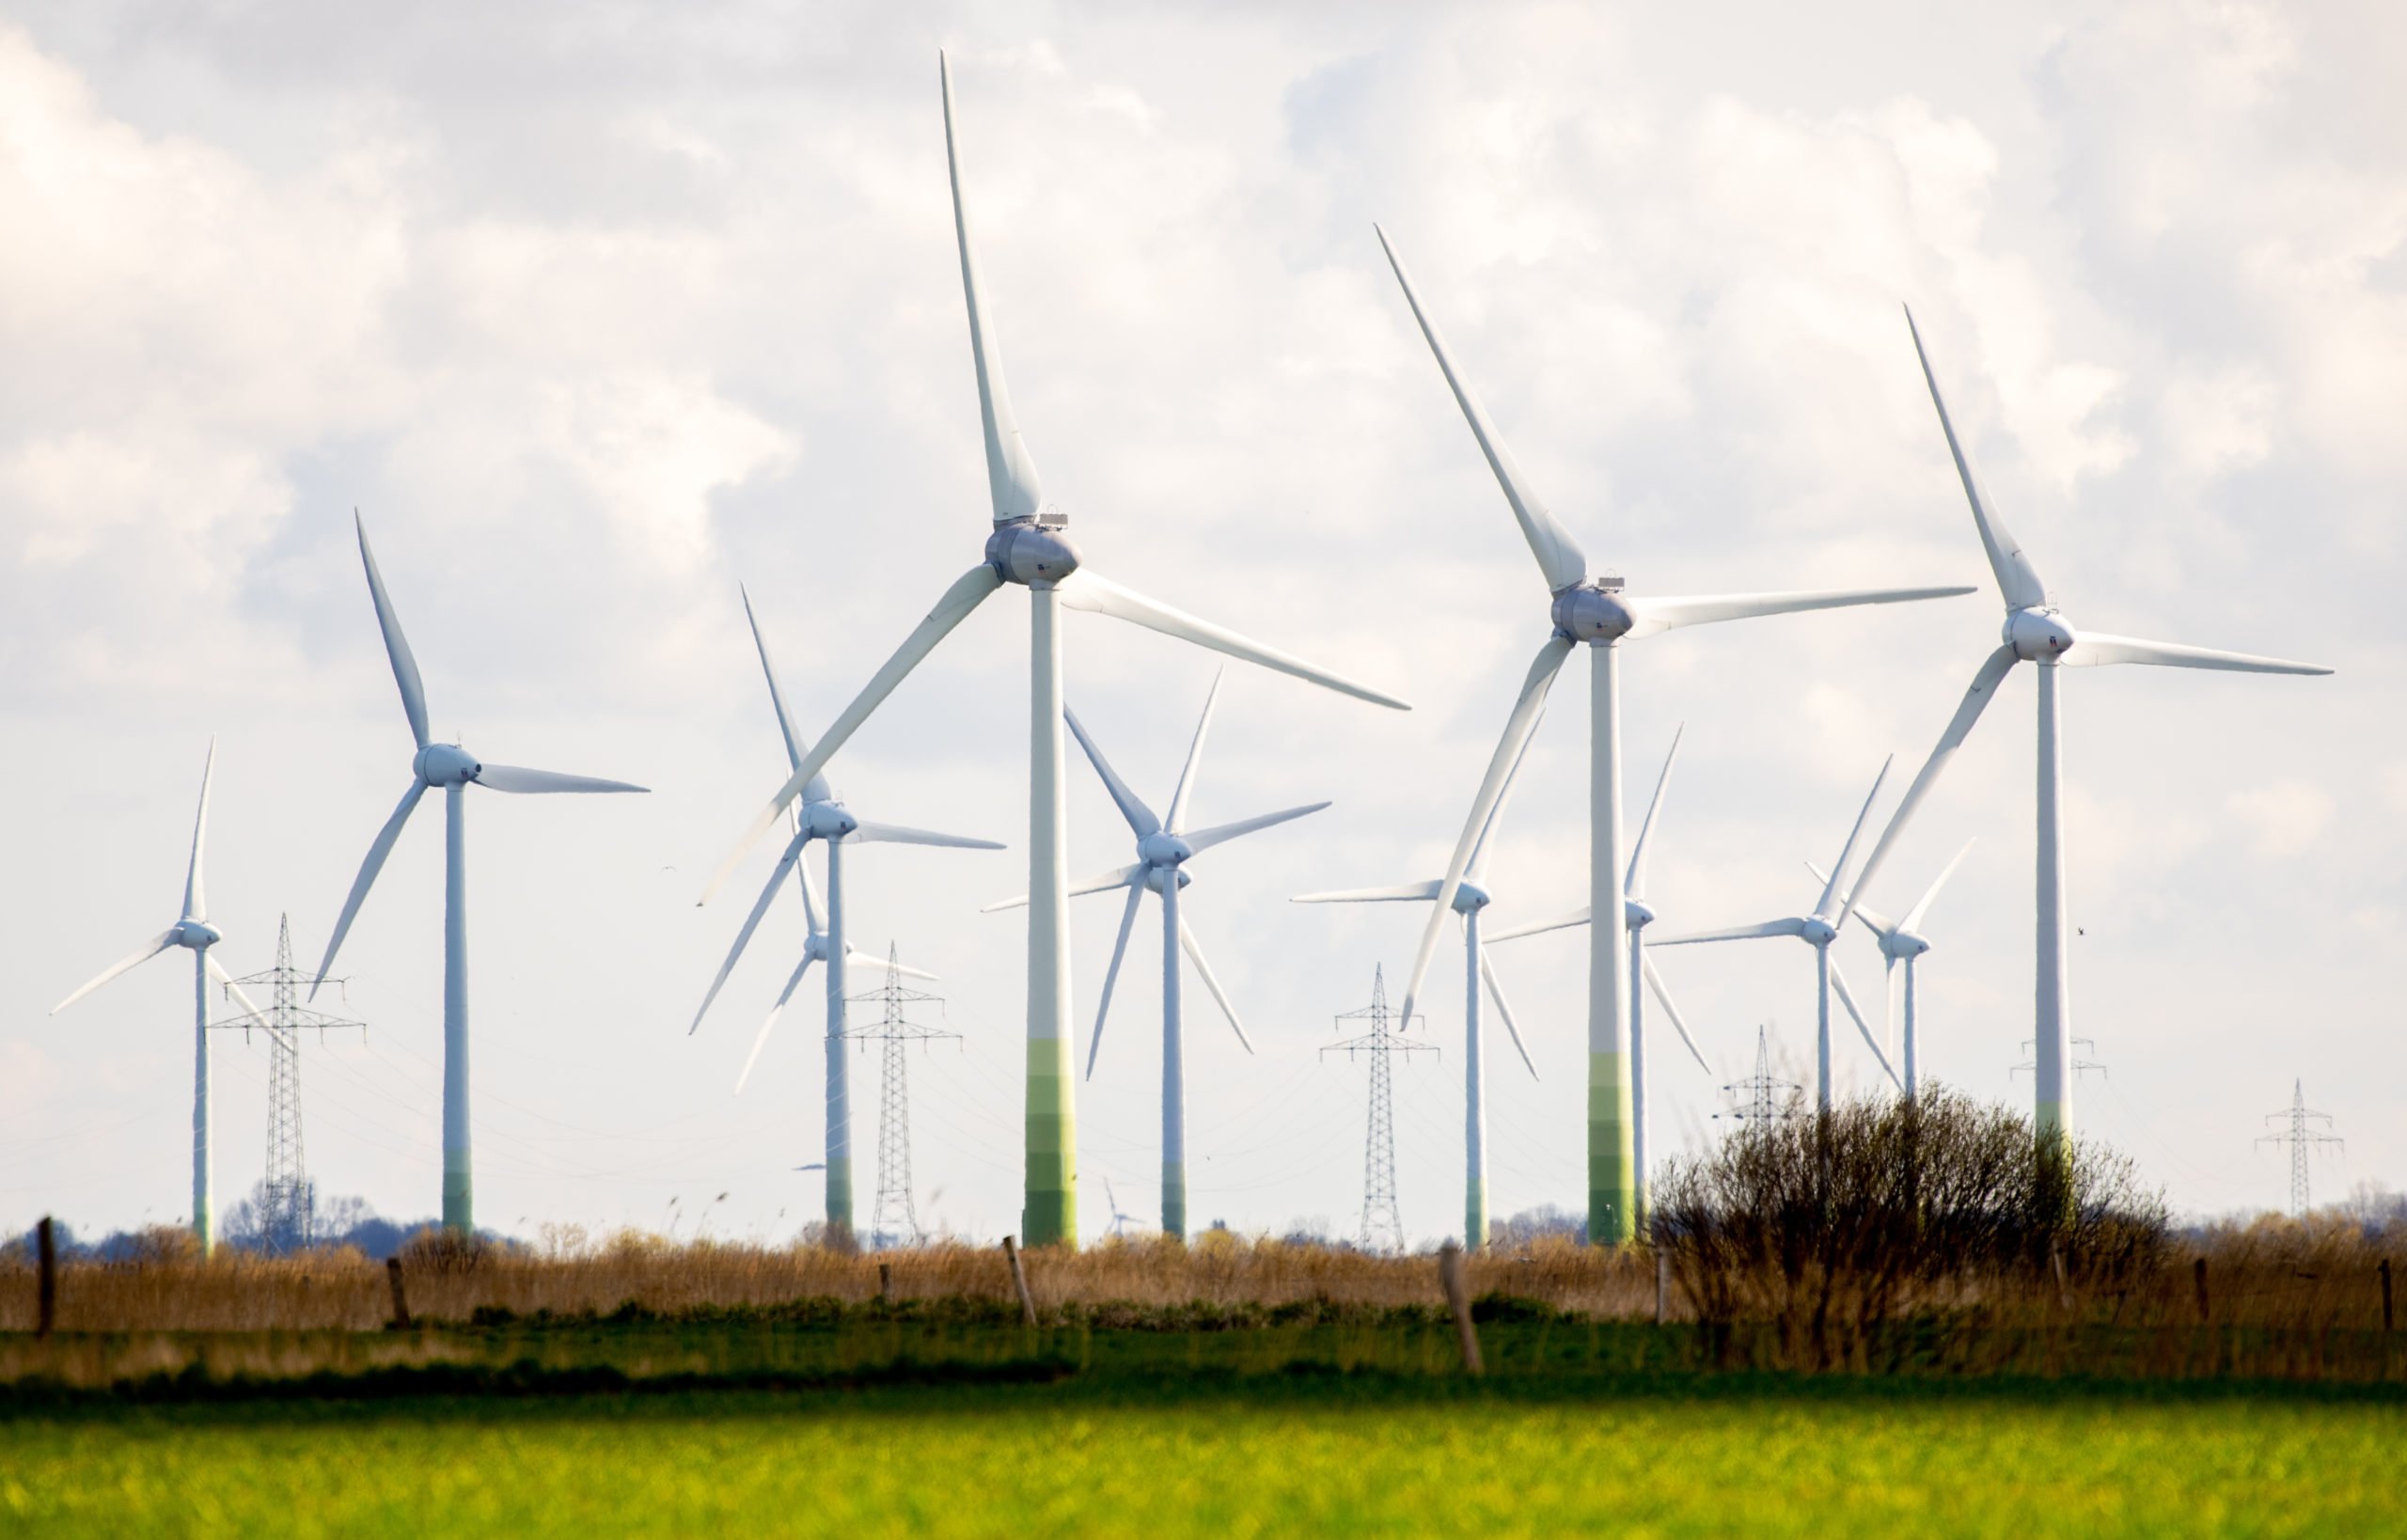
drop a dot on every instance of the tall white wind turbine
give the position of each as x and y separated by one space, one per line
1817 929
452 769
193 932
821 814
1471 896
2036 631
1164 846
1636 916
1902 942
1599 612
1029 548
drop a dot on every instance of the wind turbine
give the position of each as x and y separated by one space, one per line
1817 929
1111 1202
192 930
1599 612
1471 896
454 769
1164 845
821 814
1903 941
2037 632
1636 916
1029 548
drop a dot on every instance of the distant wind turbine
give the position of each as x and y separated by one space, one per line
192 931
1903 941
2037 632
1599 612
454 769
820 814
1029 548
1164 846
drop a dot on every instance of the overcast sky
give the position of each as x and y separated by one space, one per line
597 311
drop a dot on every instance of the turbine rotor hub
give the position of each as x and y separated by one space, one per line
198 934
1470 898
1163 849
830 820
445 764
1024 550
2038 635
1819 932
1592 612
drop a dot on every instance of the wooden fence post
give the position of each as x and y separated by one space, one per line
1450 1273
1019 1280
1662 1287
400 1300
885 1284
46 1300
2386 1317
2064 1289
2198 1279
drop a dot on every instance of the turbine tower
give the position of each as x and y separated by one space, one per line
2037 632
1636 916
2299 1134
1164 845
820 814
1817 929
455 770
1597 611
1471 896
287 1201
193 932
895 1220
1029 548
1903 941
1382 1218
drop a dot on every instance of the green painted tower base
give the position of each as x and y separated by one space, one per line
1612 1214
1050 1216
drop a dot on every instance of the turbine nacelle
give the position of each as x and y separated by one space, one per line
197 935
445 764
828 820
1593 611
1029 551
1470 898
1159 878
1636 915
2038 635
1818 931
1902 946
1163 848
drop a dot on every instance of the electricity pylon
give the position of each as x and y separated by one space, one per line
1757 1098
1382 1219
288 1202
2301 1138
895 1220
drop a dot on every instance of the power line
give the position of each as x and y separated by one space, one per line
2301 1138
1382 1219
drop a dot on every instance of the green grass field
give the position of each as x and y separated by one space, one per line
1225 1453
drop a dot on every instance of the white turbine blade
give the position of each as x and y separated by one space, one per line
1922 904
1505 1012
148 949
1633 884
196 889
761 1039
1873 919
1479 851
1976 699
1221 834
1096 594
966 593
1398 894
752 922
2091 649
1112 975
2018 583
1660 614
1559 555
1102 882
1194 755
1561 922
1195 956
520 780
1846 998
1519 725
817 790
810 893
1132 807
895 834
1838 872
397 647
871 959
217 971
367 878
1663 998
1010 475
1733 933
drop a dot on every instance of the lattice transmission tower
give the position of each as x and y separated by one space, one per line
1382 1221
1761 1097
288 1200
895 1220
2301 1137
